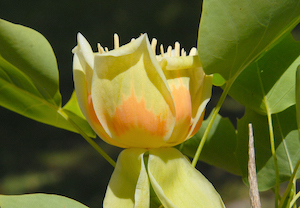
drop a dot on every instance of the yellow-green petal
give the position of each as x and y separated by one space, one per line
85 61
131 96
129 184
182 62
82 75
80 84
200 94
199 86
177 184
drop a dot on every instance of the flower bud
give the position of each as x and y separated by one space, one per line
135 99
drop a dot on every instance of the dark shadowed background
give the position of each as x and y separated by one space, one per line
38 158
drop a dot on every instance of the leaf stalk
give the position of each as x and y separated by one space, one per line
213 117
88 139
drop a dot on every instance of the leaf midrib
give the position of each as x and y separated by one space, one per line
34 97
268 110
28 79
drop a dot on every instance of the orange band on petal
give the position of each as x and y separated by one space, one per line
95 121
183 105
133 114
198 125
137 125
91 110
96 125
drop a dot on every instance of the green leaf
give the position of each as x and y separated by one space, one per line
29 78
269 83
38 200
218 80
298 96
233 33
220 146
29 75
74 113
286 142
19 94
30 53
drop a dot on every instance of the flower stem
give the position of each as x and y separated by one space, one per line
88 139
211 121
289 187
272 143
295 198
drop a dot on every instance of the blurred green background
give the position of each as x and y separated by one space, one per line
38 158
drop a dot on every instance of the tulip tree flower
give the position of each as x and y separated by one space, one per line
145 103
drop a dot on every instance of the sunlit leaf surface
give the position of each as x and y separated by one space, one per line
38 200
268 85
29 83
233 33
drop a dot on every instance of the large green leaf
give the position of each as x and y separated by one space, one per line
233 33
220 146
30 54
286 142
298 96
38 201
269 83
29 82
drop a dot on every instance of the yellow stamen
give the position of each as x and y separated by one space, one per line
177 49
100 49
153 45
193 52
162 50
183 53
116 41
169 51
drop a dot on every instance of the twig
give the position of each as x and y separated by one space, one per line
253 192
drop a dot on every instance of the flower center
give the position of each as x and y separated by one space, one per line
176 52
